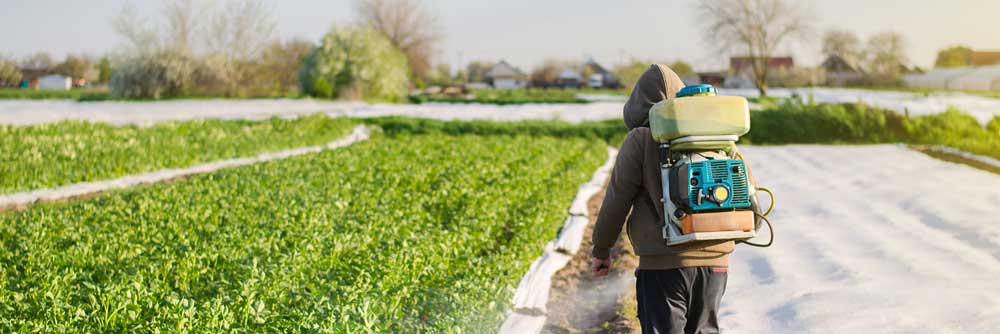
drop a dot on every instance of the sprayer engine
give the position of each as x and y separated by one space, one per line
710 185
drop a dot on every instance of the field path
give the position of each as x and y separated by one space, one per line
869 239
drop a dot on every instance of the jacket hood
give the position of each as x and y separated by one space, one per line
656 84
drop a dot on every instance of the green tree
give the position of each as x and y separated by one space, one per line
476 71
104 70
74 66
682 68
956 56
355 62
630 72
9 74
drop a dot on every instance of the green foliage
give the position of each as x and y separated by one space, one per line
682 68
794 122
10 76
611 131
55 154
415 234
957 56
32 94
355 62
104 70
517 96
851 123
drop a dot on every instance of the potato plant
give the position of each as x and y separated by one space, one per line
408 234
56 154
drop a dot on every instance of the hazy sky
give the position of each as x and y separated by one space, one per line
525 32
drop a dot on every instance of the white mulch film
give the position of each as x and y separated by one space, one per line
605 107
359 133
869 239
528 315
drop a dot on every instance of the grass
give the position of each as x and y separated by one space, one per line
793 122
56 154
517 96
79 94
399 234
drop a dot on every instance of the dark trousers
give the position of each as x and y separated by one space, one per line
680 301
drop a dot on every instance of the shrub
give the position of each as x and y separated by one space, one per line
153 76
355 62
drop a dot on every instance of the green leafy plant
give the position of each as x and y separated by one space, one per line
55 154
409 234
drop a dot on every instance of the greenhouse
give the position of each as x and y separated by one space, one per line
962 78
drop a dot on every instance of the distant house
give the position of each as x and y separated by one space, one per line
55 82
504 76
741 70
569 78
716 78
984 58
598 76
841 72
30 73
590 74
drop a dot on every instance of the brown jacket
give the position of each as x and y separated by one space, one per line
635 186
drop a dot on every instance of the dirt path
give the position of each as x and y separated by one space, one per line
581 303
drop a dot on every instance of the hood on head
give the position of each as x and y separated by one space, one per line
656 84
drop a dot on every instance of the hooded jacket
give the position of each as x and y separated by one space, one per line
634 189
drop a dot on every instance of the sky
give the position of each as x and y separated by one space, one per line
526 32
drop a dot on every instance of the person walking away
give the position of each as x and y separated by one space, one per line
678 288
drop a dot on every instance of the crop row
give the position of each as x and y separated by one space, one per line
55 154
402 234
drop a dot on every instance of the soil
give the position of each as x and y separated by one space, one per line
582 303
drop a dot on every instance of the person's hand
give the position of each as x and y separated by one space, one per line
601 267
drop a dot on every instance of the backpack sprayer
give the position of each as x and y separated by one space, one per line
709 193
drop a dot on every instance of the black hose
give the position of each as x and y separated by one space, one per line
769 229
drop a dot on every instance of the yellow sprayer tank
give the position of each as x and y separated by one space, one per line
698 111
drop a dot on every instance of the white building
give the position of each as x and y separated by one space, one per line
55 82
504 76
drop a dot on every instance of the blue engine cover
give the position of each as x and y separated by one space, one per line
705 178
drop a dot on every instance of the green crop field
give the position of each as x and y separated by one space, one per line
399 234
49 155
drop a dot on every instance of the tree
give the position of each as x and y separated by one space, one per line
407 25
140 35
10 75
757 27
39 60
280 63
842 43
154 75
241 30
682 68
547 74
355 62
629 73
476 71
104 70
75 67
885 56
956 56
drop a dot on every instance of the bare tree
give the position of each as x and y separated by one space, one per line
885 56
241 30
184 19
757 27
408 25
140 35
843 43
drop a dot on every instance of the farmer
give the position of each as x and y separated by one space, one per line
678 288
